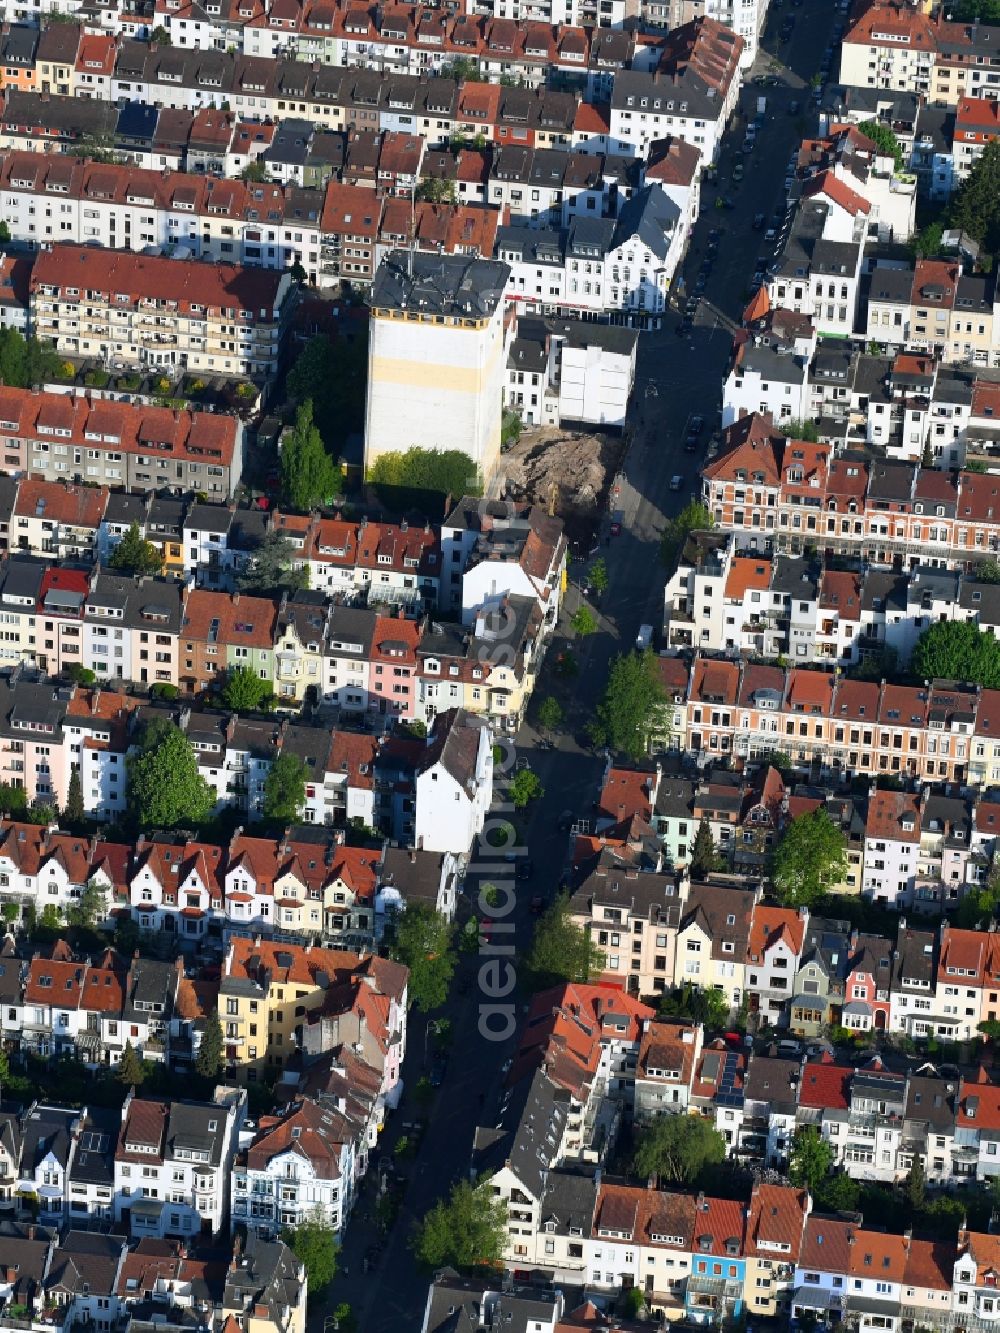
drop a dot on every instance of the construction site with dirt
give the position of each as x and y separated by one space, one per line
568 473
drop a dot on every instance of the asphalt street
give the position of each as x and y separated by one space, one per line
685 375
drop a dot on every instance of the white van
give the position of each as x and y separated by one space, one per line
644 638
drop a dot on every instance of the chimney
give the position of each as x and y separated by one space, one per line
236 599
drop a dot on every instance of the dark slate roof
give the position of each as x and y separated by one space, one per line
527 1136
651 215
457 286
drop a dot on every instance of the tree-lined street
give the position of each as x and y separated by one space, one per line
686 375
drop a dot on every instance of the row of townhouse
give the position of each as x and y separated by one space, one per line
907 406
51 731
133 310
691 93
902 48
690 81
782 494
705 1259
631 238
404 39
341 643
934 308
304 884
919 851
315 1018
589 1056
102 1279
795 606
336 229
61 452
479 554
828 725
596 265
258 88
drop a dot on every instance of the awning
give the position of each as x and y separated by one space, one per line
868 1305
816 1298
858 1008
146 1207
814 1003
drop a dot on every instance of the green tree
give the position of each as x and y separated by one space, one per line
244 691
208 1061
927 242
13 800
165 789
915 1184
272 567
598 576
463 69
135 555
160 36
799 430
511 427
524 788
424 942
561 950
285 789
986 11
707 1006
979 905
694 517
881 665
130 1068
79 674
584 622
404 479
297 272
91 908
633 695
633 1302
837 1193
884 139
313 1243
678 1147
810 1160
467 1233
309 475
333 374
25 362
975 209
810 857
988 572
255 172
75 813
958 650
436 190
4 233
550 713
704 855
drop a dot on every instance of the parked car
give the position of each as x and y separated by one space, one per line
439 1068
758 221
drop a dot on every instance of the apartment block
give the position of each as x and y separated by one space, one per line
140 310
